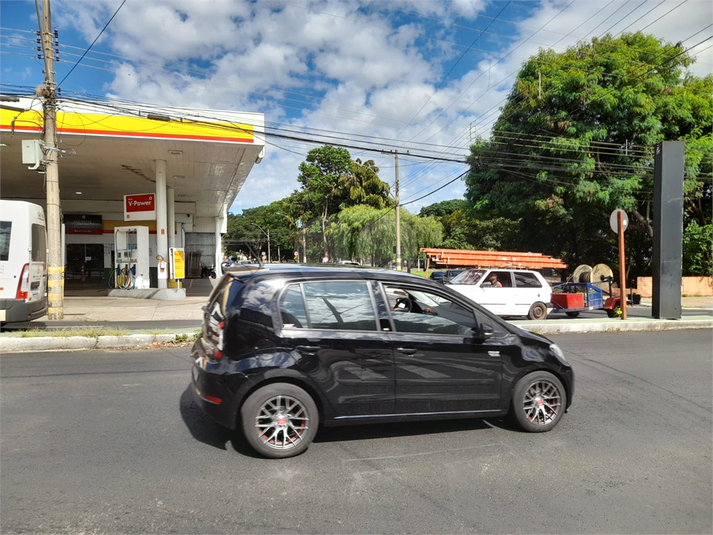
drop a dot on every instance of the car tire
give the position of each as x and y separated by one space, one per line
279 420
611 313
572 314
538 402
538 311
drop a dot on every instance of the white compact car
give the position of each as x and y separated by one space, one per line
506 292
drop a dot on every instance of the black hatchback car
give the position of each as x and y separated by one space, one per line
287 348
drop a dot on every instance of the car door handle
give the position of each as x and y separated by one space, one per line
308 349
406 350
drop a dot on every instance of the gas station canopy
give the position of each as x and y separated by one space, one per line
108 150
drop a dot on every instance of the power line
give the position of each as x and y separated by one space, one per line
90 46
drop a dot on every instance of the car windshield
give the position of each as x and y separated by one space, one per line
470 276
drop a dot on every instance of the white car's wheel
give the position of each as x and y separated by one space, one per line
538 311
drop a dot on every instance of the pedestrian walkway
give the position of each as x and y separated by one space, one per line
150 321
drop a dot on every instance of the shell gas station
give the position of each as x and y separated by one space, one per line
144 191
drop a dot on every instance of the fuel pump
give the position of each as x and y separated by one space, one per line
131 261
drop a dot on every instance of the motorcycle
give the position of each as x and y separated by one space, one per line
207 272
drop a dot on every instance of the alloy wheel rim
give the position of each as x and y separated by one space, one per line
542 402
282 422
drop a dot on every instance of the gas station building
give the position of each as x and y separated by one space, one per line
176 171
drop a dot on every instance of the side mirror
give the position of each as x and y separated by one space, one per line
486 330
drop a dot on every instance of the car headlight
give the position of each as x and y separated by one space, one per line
557 352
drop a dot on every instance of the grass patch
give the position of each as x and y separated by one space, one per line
86 332
185 338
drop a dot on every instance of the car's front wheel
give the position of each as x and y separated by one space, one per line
538 402
279 420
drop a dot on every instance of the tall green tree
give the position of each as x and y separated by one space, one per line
363 186
321 174
575 141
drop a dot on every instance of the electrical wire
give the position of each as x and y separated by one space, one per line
90 46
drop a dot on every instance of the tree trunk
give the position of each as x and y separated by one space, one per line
324 226
644 224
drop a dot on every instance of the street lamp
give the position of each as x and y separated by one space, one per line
268 240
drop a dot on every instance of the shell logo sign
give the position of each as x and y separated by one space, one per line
141 207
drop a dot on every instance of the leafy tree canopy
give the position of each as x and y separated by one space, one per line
575 141
363 232
445 208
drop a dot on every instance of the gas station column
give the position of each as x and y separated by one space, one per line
218 245
161 235
171 199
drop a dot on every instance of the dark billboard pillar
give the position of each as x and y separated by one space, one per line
668 229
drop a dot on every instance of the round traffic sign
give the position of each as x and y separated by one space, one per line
614 221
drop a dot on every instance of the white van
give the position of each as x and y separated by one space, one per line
506 292
23 261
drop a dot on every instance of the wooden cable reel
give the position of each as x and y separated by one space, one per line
601 272
582 273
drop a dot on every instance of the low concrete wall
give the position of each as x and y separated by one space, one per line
689 286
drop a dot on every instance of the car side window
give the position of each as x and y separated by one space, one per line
292 308
498 279
418 311
343 305
527 280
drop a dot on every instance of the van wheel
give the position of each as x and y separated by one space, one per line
538 402
538 311
279 420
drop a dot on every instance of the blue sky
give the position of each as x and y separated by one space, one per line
423 76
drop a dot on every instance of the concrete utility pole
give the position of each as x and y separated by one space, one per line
55 268
398 213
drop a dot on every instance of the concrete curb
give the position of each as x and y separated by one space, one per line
56 343
622 326
135 341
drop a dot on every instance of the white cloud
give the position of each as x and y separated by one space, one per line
369 68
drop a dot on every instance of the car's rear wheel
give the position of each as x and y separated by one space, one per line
538 311
279 420
538 402
572 314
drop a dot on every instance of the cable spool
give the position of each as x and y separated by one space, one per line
601 272
582 273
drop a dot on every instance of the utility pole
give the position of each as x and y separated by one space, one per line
398 214
55 268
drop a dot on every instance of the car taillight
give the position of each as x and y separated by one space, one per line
218 349
23 287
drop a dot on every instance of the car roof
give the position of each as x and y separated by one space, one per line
333 271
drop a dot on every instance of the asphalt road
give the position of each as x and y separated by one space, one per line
110 442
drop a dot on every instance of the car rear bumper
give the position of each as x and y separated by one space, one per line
12 310
216 393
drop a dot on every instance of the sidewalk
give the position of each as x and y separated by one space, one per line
145 322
